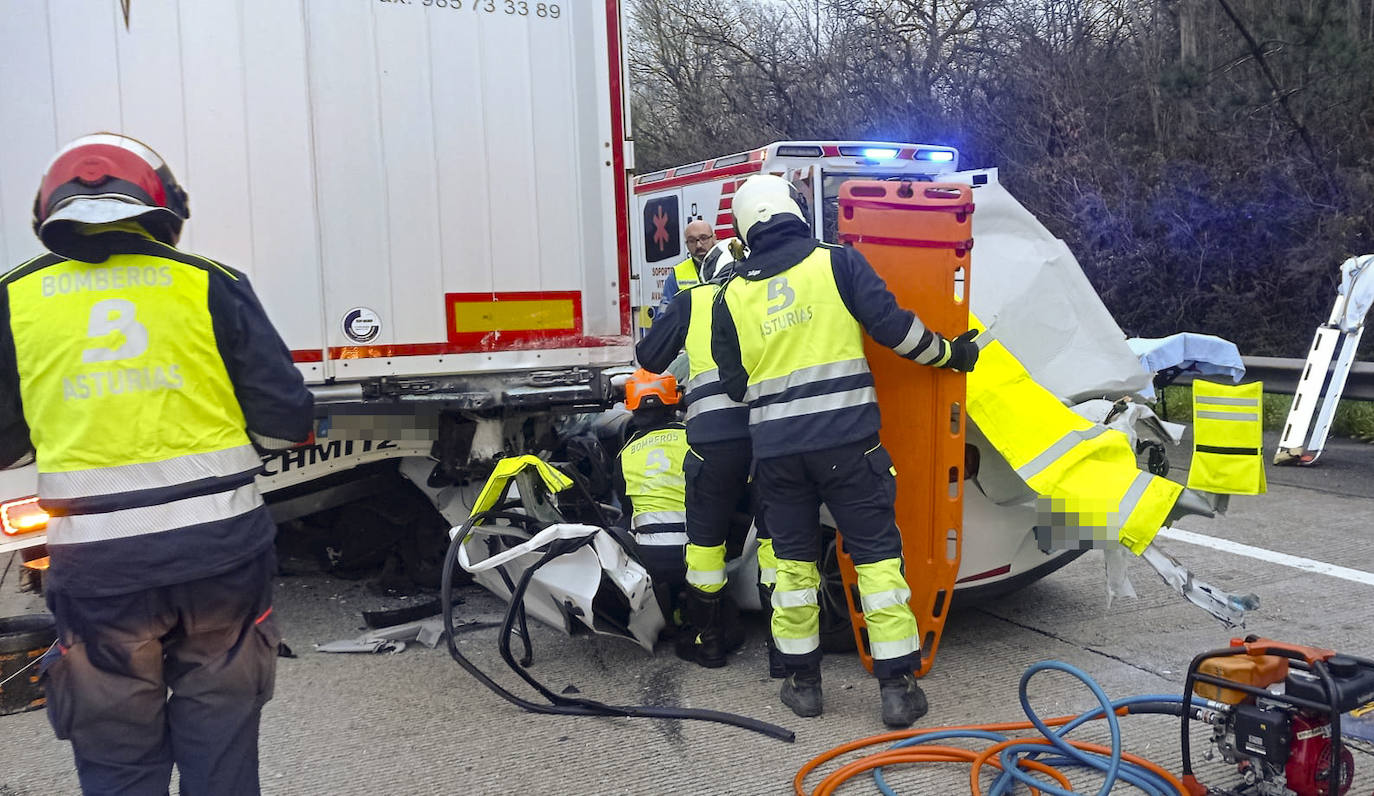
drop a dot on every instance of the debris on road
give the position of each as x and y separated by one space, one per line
394 639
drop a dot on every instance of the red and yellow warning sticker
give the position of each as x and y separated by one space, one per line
480 319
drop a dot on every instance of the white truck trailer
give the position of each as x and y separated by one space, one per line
429 197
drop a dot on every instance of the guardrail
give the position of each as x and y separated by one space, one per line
1280 375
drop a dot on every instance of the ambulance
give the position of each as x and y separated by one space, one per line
667 201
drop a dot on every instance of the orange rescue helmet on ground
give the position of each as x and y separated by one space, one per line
647 390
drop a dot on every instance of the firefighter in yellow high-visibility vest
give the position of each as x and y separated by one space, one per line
787 337
143 381
650 484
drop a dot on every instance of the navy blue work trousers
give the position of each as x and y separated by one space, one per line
855 481
718 487
211 642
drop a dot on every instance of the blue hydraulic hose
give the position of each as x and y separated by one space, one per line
1131 775
1113 763
1113 768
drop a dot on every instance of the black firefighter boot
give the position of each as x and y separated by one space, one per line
801 692
903 700
716 620
776 669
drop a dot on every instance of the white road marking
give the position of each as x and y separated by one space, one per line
1297 562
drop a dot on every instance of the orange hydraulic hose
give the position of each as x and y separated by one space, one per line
900 735
923 754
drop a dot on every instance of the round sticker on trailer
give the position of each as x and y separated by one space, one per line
361 325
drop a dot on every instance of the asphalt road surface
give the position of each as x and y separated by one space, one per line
414 722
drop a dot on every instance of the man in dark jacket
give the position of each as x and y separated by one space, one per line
144 381
787 336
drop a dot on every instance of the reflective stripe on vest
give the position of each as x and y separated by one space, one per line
121 379
702 380
686 274
122 524
715 403
147 477
1060 447
646 518
652 467
768 388
1228 434
884 594
796 621
706 567
711 415
1084 467
814 404
803 352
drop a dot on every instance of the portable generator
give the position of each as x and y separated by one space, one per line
1275 712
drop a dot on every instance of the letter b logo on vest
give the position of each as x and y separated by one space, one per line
657 462
778 289
115 315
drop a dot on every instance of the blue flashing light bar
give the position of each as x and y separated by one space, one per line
935 155
875 153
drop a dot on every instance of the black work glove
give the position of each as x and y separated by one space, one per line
963 352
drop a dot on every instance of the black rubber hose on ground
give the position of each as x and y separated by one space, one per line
563 705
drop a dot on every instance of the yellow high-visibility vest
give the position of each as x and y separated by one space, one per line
803 352
698 344
652 467
686 274
122 382
1228 435
711 415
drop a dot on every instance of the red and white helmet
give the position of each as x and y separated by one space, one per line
105 178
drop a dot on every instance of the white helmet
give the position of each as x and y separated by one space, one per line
719 263
762 198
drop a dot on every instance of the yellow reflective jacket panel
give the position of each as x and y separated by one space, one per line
651 464
132 406
1087 471
102 399
711 415
686 274
804 355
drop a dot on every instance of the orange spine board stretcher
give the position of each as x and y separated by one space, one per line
917 236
